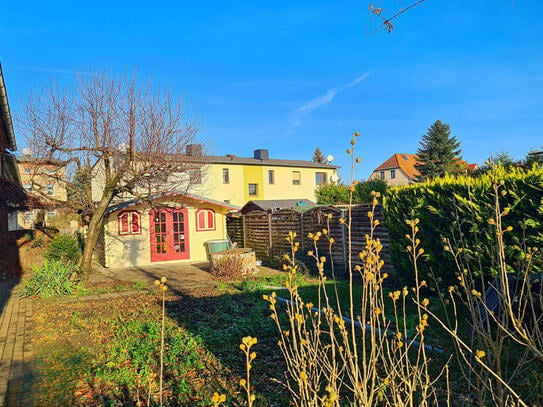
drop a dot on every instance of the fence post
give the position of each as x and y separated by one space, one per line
244 231
270 237
302 232
344 243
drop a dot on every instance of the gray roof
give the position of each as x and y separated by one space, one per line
5 116
216 159
133 202
277 204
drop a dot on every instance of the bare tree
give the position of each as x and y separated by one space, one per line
132 135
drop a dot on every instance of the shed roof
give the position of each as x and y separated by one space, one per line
133 202
277 204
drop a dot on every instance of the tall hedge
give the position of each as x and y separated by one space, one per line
459 208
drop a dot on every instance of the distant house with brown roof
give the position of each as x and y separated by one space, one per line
400 169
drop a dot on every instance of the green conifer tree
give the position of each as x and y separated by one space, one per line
439 152
318 156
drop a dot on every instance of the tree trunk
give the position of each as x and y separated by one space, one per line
95 226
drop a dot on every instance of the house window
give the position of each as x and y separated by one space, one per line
296 178
50 189
129 223
28 186
225 176
49 171
320 178
392 174
253 189
28 170
195 176
271 177
28 218
51 214
205 219
381 174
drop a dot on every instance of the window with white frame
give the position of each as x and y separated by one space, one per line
51 214
28 186
50 189
129 223
28 217
205 219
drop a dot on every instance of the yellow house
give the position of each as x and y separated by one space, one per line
45 182
238 180
202 195
174 228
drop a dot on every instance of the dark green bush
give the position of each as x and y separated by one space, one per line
53 279
363 190
64 247
459 208
332 194
338 194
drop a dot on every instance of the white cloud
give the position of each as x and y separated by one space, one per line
314 104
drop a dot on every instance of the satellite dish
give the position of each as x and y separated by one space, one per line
330 158
334 178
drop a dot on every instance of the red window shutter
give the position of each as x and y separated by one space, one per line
210 220
124 223
135 223
201 220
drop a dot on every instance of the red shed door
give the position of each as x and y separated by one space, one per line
169 235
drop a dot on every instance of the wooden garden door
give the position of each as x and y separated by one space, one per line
169 234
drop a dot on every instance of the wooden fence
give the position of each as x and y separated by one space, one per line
266 232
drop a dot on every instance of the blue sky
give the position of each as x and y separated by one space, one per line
291 76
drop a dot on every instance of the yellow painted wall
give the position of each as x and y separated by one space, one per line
37 175
253 174
283 188
134 250
237 190
213 186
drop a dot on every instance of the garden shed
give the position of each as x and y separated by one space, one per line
173 227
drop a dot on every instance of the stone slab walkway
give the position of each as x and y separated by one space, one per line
15 347
182 277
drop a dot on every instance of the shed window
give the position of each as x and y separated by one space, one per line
129 223
205 219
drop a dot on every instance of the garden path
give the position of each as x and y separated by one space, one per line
15 347
182 277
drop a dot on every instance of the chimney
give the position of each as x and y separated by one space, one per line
194 150
262 154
